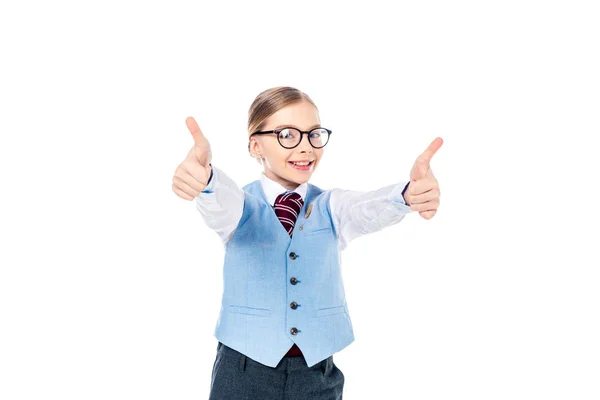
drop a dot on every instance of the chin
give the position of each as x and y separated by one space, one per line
301 181
299 177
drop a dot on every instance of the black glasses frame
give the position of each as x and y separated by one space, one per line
277 131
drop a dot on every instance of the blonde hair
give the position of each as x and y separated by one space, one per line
268 103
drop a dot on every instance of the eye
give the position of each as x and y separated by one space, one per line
318 133
288 133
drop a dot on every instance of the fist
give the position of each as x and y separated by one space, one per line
423 192
191 176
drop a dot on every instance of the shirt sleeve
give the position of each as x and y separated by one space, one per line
357 213
221 204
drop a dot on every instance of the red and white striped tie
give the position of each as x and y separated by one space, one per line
287 207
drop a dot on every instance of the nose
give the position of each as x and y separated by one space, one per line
305 143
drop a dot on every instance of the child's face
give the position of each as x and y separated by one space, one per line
277 159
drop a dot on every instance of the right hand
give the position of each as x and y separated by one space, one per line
191 176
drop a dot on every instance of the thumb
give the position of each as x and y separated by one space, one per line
194 129
419 170
201 144
421 165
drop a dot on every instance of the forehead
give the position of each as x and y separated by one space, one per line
301 115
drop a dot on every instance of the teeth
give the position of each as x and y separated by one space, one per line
302 163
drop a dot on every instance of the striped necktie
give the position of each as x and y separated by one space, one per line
287 207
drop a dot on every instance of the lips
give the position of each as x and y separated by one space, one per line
302 168
302 161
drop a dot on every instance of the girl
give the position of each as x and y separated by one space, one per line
283 311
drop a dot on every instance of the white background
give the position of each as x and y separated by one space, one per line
110 284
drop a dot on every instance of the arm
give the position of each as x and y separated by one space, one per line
221 204
357 213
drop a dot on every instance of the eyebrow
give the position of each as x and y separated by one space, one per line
294 126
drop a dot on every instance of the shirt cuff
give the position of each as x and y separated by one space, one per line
405 187
210 186
397 196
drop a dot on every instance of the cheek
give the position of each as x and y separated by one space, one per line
283 156
319 155
276 154
278 158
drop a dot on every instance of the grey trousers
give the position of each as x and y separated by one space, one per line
238 377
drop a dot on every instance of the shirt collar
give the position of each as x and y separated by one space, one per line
273 189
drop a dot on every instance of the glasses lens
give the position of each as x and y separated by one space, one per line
319 137
289 137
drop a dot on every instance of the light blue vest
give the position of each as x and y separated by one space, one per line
278 290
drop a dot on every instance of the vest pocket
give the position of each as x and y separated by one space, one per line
318 231
262 312
322 312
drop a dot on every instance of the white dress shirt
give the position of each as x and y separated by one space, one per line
354 213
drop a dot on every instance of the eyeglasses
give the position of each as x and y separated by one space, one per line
291 137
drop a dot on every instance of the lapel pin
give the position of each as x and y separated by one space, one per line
308 211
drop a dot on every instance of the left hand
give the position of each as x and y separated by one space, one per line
423 192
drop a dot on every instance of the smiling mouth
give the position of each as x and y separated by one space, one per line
302 164
302 167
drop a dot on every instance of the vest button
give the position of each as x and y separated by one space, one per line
300 227
293 255
293 281
294 331
293 305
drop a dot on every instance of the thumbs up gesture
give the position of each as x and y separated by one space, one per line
423 192
191 176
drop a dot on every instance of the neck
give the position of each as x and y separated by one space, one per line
287 184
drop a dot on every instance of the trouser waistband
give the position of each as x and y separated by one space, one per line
286 364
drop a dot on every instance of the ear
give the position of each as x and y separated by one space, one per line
254 148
